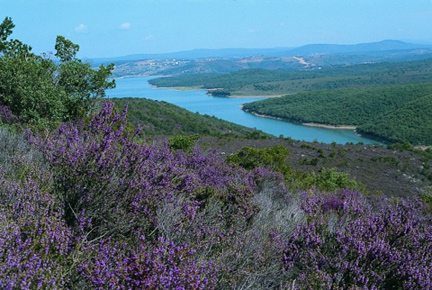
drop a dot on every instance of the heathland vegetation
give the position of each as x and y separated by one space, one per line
90 201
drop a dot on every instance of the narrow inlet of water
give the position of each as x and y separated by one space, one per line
229 109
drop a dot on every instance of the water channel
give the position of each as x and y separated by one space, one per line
229 109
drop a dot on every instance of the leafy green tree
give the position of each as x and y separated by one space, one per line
82 84
42 92
5 30
13 47
66 49
27 87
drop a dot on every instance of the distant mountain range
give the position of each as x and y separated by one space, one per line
385 45
198 54
381 46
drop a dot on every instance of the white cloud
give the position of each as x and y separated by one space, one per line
80 28
149 37
125 26
255 30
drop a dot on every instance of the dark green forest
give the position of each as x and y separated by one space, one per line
263 82
410 123
393 113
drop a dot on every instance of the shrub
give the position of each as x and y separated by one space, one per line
344 244
121 183
251 158
182 142
331 180
103 209
165 266
36 245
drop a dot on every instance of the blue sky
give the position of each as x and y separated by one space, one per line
106 28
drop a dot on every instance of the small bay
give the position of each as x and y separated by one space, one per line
229 109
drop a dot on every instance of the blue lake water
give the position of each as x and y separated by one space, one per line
229 109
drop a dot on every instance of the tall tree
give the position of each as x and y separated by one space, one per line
5 30
42 91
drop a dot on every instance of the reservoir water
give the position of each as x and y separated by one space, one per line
229 109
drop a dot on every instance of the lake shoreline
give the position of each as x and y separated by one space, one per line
253 96
228 109
177 89
379 139
337 127
318 125
183 89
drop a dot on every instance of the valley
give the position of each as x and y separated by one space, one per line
370 97
109 180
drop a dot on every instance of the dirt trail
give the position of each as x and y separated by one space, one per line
301 61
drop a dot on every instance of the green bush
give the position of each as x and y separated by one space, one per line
331 180
182 142
250 158
275 159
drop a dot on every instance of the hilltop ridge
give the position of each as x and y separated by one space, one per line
313 56
384 45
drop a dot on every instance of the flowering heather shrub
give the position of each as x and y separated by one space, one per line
17 158
345 244
120 183
34 241
79 218
6 115
125 189
166 266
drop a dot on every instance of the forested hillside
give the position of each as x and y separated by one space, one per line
275 82
90 201
161 118
394 113
410 122
368 96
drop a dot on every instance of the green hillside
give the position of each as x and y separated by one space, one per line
162 118
411 122
395 113
276 82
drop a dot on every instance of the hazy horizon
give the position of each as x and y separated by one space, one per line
118 28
